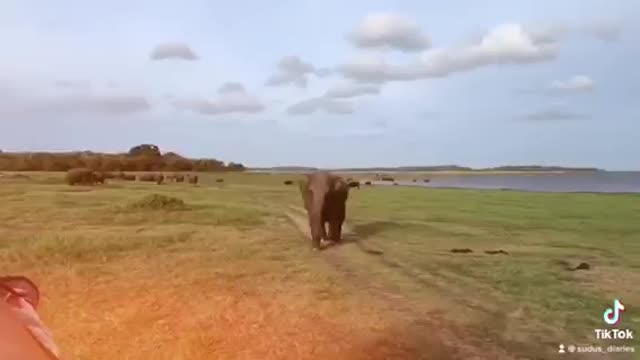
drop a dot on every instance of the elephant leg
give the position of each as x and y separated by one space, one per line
318 232
324 231
335 230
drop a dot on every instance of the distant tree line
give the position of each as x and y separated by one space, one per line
145 157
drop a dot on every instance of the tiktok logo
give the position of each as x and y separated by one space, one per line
612 316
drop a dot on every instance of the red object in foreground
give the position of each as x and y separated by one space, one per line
23 336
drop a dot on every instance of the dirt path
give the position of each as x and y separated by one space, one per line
425 325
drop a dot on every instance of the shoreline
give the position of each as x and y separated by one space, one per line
433 173
445 187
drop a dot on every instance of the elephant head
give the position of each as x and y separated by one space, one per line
325 197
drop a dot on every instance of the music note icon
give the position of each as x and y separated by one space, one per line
612 316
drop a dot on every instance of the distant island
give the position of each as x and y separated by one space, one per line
285 168
436 168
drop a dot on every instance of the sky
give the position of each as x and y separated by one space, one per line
327 83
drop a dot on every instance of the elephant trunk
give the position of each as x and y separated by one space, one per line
304 192
316 221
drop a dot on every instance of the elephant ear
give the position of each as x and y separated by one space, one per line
339 185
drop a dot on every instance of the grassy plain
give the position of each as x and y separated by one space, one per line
230 275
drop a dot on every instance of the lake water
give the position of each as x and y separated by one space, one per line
595 182
598 182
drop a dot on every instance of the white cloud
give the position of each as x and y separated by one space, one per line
352 90
388 30
173 50
73 104
573 85
232 98
331 106
231 87
72 84
577 83
334 101
603 30
374 69
552 113
354 133
114 105
505 44
293 70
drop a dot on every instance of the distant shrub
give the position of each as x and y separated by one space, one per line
145 150
144 157
159 202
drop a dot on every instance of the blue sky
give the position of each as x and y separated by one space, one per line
327 83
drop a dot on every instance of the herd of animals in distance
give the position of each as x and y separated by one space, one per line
86 176
324 195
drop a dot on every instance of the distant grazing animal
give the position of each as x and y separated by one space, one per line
179 178
83 176
193 179
395 183
219 180
288 182
367 182
174 177
354 184
107 175
325 199
157 178
128 177
386 178
101 177
414 180
426 180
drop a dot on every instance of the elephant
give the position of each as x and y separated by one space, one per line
355 184
101 177
157 178
219 180
84 176
367 182
146 177
325 198
288 182
193 179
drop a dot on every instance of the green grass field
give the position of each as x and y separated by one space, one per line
230 275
